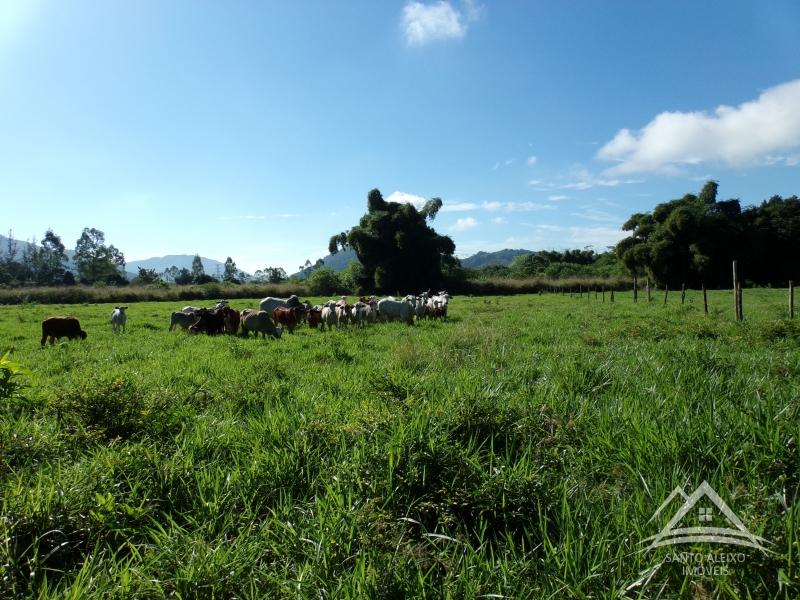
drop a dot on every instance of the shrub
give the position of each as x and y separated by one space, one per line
323 282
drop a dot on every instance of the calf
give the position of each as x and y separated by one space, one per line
118 318
54 328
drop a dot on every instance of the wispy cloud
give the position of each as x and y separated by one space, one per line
425 23
579 179
532 160
499 221
574 236
495 206
464 224
259 217
748 134
557 197
592 214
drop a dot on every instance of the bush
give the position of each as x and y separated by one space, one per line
323 282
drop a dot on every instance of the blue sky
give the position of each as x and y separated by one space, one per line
255 129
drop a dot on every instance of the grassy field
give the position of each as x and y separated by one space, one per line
517 450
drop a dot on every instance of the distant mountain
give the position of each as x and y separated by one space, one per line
182 261
335 262
487 259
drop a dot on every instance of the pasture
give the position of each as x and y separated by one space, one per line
518 449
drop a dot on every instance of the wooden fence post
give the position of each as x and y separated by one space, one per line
683 292
604 293
648 289
736 308
666 292
791 299
635 290
739 299
705 300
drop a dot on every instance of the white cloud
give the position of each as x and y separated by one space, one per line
598 237
406 198
499 221
532 160
459 206
464 224
736 136
425 23
556 198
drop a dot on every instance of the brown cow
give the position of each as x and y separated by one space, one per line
208 321
314 317
58 327
288 317
231 318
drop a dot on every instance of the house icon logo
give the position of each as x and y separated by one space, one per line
704 517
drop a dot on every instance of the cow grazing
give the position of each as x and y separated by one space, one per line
181 319
54 328
208 321
118 318
190 309
396 310
288 317
258 321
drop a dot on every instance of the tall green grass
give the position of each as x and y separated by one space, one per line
517 450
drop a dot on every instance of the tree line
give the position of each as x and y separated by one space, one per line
691 240
45 264
694 239
96 262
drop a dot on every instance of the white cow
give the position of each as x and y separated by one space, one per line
269 304
328 316
259 322
184 319
118 318
343 315
360 313
396 310
420 307
437 305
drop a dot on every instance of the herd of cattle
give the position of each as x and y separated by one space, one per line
274 315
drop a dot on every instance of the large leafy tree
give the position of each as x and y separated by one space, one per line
693 240
396 247
49 260
230 273
96 261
